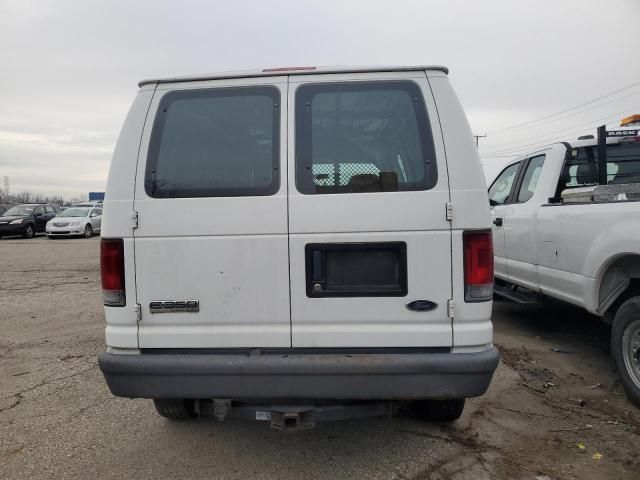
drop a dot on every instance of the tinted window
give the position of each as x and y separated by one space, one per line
75 212
581 166
363 137
501 186
530 179
215 142
19 210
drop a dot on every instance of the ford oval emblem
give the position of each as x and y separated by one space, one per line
421 305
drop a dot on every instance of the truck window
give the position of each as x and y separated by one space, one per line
215 143
363 137
530 179
581 166
501 186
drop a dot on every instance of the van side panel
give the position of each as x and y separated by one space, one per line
466 177
122 325
472 321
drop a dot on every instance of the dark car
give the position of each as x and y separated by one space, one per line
26 219
4 207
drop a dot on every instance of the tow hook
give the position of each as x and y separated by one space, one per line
292 421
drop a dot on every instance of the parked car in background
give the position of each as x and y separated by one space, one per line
75 221
26 219
87 204
4 207
567 225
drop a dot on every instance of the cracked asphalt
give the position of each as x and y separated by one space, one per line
547 414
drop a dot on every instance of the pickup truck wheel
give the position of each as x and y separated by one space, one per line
625 347
439 410
175 408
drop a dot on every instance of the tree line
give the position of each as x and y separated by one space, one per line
32 197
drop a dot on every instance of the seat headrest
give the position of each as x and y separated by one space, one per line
586 173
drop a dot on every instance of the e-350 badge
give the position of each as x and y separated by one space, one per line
174 306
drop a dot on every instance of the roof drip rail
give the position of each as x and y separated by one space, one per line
295 71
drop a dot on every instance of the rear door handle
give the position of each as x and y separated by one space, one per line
497 222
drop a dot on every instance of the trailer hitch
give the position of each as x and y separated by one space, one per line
292 421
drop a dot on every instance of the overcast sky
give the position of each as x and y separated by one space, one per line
69 69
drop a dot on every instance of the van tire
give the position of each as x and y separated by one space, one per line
625 338
439 410
175 408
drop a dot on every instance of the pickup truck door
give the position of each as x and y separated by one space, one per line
520 225
500 194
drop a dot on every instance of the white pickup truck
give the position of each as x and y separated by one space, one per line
566 224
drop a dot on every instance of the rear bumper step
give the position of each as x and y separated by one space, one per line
356 376
517 295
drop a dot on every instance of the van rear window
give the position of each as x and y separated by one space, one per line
215 143
363 137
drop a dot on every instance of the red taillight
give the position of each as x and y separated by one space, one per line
478 266
112 272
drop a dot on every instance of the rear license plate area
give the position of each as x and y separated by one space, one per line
371 269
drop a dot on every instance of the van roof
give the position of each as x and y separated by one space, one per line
270 72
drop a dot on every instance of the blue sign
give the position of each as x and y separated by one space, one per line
96 196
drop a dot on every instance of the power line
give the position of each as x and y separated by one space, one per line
608 118
519 125
537 146
567 132
561 118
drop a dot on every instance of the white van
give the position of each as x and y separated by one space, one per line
300 237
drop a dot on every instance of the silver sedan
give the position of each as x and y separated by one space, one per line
75 221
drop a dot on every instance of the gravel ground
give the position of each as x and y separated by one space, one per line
547 414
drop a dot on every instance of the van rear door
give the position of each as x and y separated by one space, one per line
370 244
212 216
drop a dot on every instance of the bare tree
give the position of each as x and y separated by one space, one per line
32 197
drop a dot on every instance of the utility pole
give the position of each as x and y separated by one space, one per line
6 187
478 137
